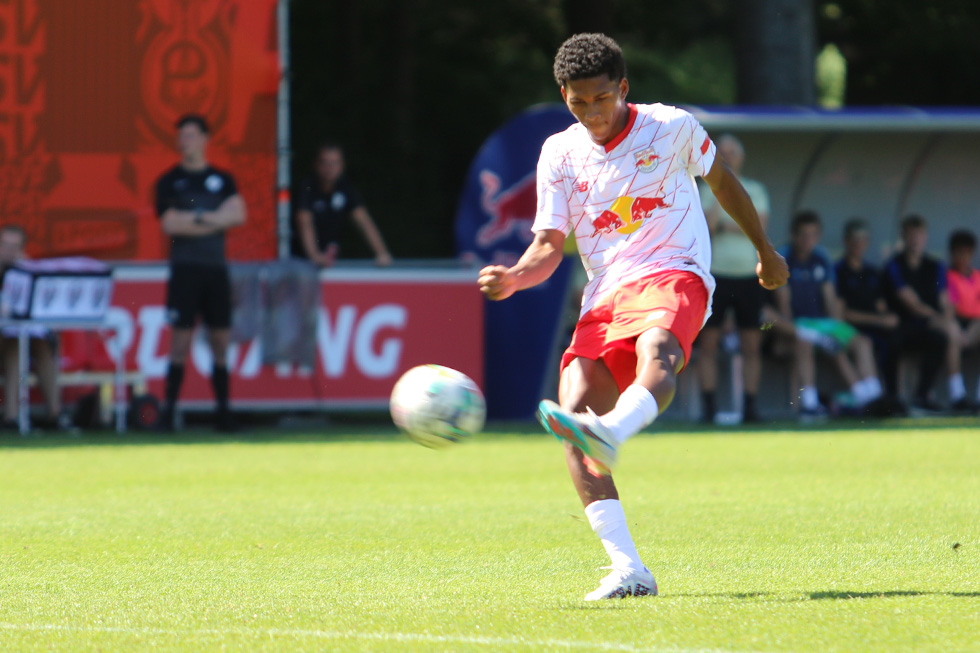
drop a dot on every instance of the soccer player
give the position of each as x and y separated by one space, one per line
963 281
197 203
623 178
859 287
915 286
812 314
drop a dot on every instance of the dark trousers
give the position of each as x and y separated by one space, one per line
914 336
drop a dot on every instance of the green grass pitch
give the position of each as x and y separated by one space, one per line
844 539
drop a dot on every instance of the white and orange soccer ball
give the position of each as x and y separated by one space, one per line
437 406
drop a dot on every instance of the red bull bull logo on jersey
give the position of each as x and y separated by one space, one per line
626 215
646 159
511 210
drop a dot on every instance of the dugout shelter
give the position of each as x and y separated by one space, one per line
880 164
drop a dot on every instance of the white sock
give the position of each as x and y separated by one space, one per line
635 409
608 521
873 385
859 393
957 389
809 398
866 390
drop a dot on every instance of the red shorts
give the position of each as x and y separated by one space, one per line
675 300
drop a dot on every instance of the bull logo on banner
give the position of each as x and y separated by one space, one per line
493 225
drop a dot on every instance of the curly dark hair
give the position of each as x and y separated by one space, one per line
589 55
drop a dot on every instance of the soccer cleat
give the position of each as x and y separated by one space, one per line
622 583
584 431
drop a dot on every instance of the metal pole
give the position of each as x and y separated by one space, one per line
23 376
283 176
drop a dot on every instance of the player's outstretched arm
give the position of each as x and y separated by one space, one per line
772 269
538 262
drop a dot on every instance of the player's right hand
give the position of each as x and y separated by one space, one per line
496 283
772 270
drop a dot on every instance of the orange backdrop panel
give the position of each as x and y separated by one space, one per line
89 93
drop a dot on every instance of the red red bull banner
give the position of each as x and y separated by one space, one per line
493 225
371 327
89 93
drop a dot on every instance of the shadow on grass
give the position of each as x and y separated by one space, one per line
844 595
884 426
839 595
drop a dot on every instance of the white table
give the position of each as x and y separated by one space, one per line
23 329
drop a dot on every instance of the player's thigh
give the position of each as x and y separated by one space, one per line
659 344
587 383
216 299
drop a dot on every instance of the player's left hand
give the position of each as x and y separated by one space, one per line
772 270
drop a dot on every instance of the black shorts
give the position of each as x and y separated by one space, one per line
743 295
199 290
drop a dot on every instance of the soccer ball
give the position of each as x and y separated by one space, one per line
437 406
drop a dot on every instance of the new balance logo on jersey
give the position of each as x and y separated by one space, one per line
582 186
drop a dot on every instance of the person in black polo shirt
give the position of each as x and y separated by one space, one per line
197 203
915 286
859 286
327 202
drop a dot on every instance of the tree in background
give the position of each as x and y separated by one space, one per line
413 87
774 48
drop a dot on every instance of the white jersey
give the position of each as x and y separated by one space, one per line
633 203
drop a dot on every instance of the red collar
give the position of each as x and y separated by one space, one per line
630 119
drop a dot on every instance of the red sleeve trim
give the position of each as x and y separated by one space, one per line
705 144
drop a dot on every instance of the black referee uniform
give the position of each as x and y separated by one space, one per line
199 285
199 282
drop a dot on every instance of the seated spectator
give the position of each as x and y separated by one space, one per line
859 288
964 290
915 286
43 346
810 311
326 203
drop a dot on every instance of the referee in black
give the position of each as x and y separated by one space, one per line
196 204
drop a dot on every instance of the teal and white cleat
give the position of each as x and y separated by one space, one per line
584 431
622 583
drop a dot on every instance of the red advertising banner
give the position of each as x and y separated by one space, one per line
89 93
371 326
